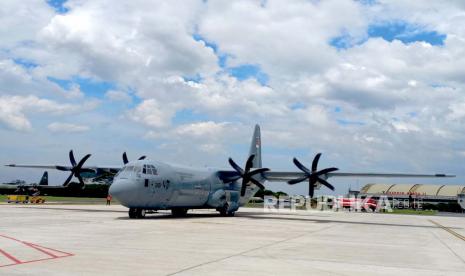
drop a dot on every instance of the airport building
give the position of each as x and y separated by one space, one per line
427 193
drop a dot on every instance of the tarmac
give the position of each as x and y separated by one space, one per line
99 239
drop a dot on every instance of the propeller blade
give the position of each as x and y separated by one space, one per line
311 189
235 166
71 158
142 157
63 168
301 167
297 180
125 158
260 185
257 171
326 183
68 180
325 171
244 186
315 162
83 160
249 163
81 181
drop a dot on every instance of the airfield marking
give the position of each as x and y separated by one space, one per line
449 230
16 261
34 246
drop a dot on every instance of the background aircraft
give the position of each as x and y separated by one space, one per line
21 187
85 175
153 185
41 188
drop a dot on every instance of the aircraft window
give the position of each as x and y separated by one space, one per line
129 170
149 169
154 170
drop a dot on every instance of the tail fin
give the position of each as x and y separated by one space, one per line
44 179
256 148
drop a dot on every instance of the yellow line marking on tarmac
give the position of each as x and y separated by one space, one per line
449 230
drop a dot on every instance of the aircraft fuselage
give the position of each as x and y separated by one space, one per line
152 185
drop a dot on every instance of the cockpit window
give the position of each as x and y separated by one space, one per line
128 171
149 169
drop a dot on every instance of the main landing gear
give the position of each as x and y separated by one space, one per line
179 212
136 213
224 211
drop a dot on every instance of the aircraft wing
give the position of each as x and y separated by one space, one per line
52 167
277 176
111 169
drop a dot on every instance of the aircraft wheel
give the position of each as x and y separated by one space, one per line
224 210
231 214
140 213
179 212
132 213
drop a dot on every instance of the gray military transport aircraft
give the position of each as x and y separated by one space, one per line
21 187
147 185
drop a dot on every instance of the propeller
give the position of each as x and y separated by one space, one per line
21 189
76 168
246 174
313 176
28 190
126 160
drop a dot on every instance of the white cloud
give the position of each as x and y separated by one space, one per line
21 20
14 108
125 48
152 113
74 92
204 130
281 37
457 110
118 96
67 128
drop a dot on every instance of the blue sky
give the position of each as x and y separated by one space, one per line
392 30
90 87
395 106
58 5
241 72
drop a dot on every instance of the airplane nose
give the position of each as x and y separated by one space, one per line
124 190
